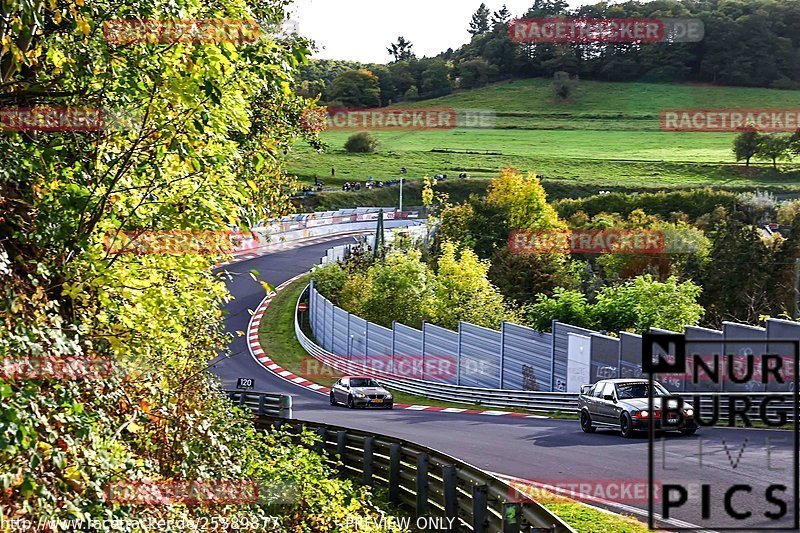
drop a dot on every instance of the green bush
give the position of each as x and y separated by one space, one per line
694 203
403 288
329 280
569 307
398 290
522 277
643 303
635 306
463 292
362 142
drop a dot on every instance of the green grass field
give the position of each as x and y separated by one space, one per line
607 134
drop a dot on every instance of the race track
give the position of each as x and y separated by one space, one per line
549 451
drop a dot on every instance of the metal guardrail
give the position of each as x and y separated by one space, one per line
429 482
530 400
515 399
325 218
264 403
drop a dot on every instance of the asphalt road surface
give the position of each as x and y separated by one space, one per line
547 451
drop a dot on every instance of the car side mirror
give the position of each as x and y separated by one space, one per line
609 397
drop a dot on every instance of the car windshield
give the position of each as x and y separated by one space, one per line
639 390
363 382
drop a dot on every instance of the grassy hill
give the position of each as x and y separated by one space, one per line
606 134
593 98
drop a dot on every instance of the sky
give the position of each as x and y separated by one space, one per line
361 30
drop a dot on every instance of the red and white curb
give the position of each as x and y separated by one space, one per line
264 360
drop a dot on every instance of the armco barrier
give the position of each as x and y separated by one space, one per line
263 404
317 224
551 402
429 482
535 401
325 224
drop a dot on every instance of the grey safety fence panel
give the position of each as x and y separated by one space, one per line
319 332
407 352
738 351
318 320
604 357
527 358
379 348
341 337
560 347
358 340
533 400
440 352
312 299
328 336
479 363
630 355
783 330
707 351
313 306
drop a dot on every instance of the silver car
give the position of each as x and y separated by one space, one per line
623 404
355 391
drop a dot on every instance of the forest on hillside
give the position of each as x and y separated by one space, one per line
746 43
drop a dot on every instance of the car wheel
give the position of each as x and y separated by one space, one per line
333 399
586 423
626 425
390 406
689 432
350 403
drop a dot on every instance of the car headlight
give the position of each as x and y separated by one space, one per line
642 414
388 396
689 412
360 395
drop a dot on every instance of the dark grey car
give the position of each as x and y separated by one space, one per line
360 392
623 404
